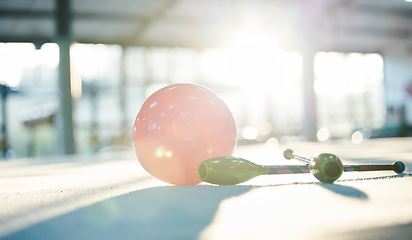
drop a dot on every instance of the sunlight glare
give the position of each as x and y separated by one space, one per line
357 137
250 132
253 60
262 75
323 134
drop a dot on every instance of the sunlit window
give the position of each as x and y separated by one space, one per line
97 62
260 83
31 75
20 61
349 89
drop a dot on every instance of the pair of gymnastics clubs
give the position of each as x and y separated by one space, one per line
326 167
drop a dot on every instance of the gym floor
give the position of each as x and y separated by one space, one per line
109 195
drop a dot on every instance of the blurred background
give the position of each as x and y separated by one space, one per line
74 73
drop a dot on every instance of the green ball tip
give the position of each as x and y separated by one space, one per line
288 154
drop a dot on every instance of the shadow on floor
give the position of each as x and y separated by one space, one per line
399 232
345 191
175 212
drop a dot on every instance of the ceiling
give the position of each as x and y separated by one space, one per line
345 25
